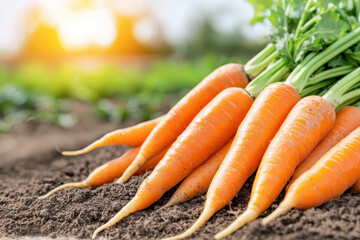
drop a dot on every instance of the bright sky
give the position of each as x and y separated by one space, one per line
95 25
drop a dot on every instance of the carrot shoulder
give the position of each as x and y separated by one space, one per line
331 175
252 138
207 133
131 136
347 120
307 123
180 116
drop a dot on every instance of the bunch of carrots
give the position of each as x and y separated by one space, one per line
291 114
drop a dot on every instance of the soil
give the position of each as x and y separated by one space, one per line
30 165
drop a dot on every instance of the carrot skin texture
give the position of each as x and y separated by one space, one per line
109 171
130 136
198 182
328 178
207 133
113 169
356 187
251 141
151 164
197 143
253 136
307 123
347 120
180 116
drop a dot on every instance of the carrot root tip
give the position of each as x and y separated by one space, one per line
205 215
284 206
128 209
64 186
130 171
248 216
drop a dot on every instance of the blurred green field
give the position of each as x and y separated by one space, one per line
35 91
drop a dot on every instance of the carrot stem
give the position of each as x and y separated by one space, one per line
302 19
336 92
350 97
300 79
258 63
331 73
273 74
314 89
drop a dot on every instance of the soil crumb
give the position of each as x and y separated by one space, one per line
76 213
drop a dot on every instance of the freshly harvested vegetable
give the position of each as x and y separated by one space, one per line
180 116
252 138
131 136
111 170
290 39
305 126
207 133
198 182
347 120
335 172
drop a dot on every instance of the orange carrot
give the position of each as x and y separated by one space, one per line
307 123
131 136
180 116
252 138
111 170
347 119
331 175
356 187
207 133
198 182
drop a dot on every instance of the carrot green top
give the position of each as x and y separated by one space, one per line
310 37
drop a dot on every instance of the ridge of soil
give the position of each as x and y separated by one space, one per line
33 167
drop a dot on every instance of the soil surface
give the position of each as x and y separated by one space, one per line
30 165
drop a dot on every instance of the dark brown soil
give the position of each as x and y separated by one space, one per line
31 166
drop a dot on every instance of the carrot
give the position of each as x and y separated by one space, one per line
131 136
356 187
111 170
207 133
198 182
347 119
335 172
180 116
252 138
307 123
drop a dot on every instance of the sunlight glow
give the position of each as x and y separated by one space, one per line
88 27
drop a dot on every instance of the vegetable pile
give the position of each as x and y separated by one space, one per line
290 112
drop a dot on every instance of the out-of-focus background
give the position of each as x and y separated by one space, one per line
117 59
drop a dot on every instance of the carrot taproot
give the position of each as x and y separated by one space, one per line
109 171
180 116
328 178
253 136
198 182
207 133
131 136
307 123
356 187
347 120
